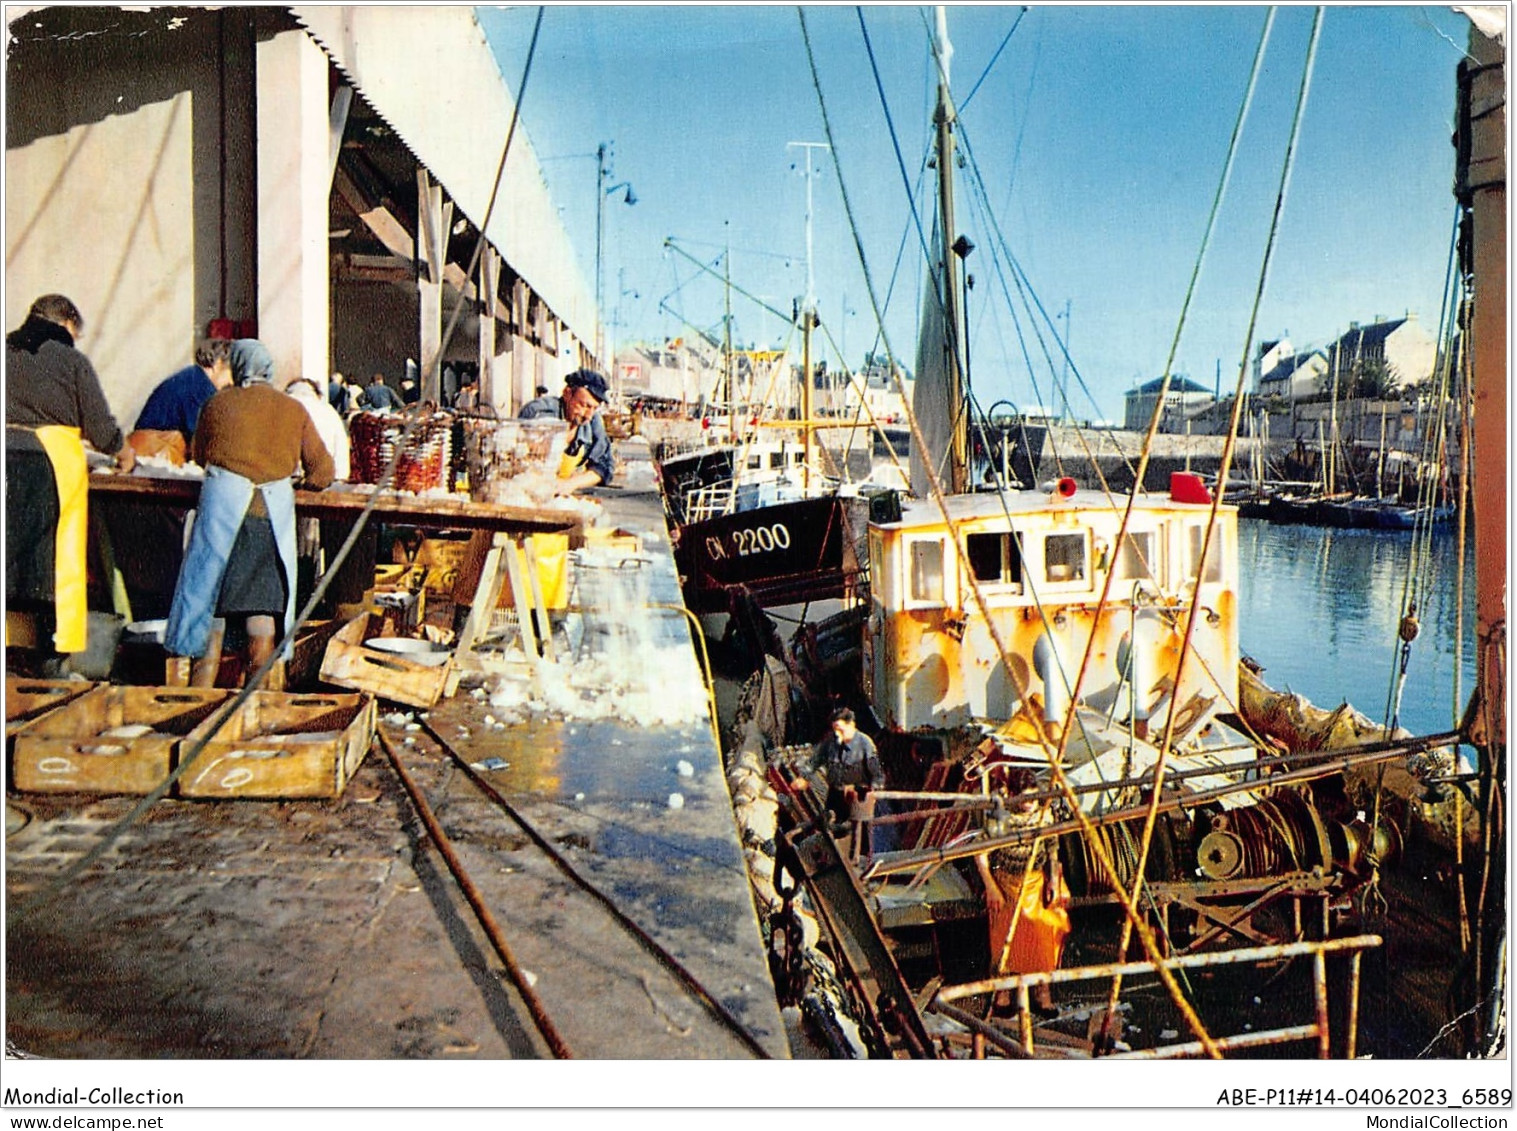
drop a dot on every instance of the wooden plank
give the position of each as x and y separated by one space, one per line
522 603
481 609
26 699
405 510
337 123
539 609
379 220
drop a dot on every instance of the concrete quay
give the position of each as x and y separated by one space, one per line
331 929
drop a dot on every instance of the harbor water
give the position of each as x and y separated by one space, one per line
1319 608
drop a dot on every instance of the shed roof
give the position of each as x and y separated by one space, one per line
429 72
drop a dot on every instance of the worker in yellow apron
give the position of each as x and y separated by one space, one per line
53 405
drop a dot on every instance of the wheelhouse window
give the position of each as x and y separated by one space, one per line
995 558
1213 570
756 461
1064 557
927 571
776 460
1138 557
881 580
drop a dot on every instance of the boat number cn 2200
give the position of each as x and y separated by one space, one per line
754 540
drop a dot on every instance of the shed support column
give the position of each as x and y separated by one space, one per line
294 189
521 348
489 294
436 218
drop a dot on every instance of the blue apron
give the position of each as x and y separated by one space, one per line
224 500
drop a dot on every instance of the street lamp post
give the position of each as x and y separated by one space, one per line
602 174
622 291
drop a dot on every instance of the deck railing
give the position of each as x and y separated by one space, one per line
1318 1029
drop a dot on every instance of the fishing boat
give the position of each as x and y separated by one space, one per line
1090 641
750 517
754 518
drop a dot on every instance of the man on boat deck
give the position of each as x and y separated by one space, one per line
845 761
1026 898
587 458
251 439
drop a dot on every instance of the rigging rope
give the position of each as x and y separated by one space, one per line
968 98
1130 909
1140 473
1227 449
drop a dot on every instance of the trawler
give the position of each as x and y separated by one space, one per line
1086 645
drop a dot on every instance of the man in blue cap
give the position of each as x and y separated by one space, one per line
587 458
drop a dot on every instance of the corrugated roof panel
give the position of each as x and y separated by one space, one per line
429 72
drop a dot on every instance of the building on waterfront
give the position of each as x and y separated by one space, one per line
682 371
1382 357
1281 372
302 174
1184 398
876 386
1405 351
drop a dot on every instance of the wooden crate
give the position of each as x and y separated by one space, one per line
281 745
64 751
26 699
310 646
348 663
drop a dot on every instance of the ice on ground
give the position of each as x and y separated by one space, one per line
676 801
684 769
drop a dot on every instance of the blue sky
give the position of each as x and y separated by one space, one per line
1098 138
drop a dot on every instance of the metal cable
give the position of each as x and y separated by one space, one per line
1130 909
1227 452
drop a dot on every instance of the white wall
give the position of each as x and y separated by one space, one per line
294 186
103 214
114 182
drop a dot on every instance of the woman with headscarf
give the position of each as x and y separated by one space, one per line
251 439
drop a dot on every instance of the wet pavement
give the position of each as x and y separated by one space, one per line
331 929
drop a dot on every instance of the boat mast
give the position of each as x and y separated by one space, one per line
943 118
808 322
731 377
1480 185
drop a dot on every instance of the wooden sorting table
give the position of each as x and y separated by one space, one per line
401 510
511 527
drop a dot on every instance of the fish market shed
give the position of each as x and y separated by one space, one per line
316 177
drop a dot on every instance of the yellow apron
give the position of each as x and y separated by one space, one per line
65 452
1027 937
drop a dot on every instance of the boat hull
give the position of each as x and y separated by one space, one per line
785 553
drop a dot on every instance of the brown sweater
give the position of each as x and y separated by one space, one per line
261 434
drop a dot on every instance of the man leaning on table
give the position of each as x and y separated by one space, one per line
587 460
